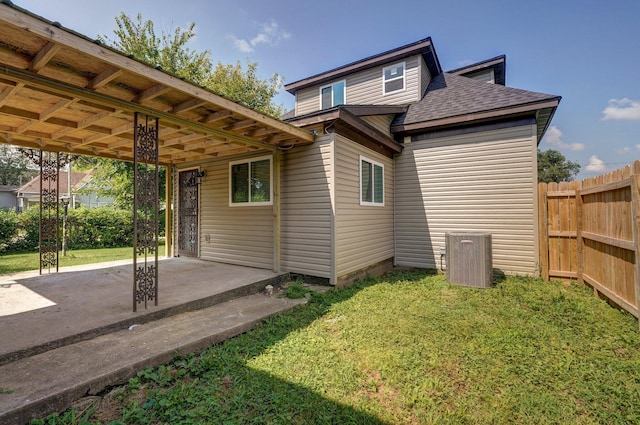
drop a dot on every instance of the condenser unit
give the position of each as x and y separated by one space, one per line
468 258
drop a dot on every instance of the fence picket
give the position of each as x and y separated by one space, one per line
588 231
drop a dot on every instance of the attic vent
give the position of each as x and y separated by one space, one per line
469 260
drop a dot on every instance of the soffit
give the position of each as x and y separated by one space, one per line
60 91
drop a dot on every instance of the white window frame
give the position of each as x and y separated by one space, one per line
372 203
344 93
403 77
250 203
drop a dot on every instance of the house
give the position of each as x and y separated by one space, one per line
28 194
378 160
404 153
8 200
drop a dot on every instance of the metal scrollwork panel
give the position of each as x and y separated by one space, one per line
49 164
188 213
145 211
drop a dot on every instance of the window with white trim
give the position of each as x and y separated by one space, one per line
333 95
371 182
393 78
250 182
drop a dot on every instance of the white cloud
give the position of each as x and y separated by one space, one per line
624 151
270 34
596 165
242 45
465 62
553 137
622 109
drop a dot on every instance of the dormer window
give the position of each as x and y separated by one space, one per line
393 78
332 95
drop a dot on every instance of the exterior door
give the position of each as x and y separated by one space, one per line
188 213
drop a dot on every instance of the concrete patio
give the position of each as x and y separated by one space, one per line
67 335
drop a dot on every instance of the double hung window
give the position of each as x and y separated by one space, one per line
250 182
393 78
371 182
332 95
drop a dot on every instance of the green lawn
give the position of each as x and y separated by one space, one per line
13 263
409 349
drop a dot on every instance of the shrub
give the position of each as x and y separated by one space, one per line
99 228
30 228
102 227
8 226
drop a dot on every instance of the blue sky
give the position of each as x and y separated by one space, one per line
586 51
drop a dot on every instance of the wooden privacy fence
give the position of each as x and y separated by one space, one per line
589 232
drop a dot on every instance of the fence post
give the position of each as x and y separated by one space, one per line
635 214
543 230
579 240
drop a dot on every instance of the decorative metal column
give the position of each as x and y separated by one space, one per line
188 212
50 164
145 210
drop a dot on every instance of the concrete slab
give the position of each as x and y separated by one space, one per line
52 381
82 302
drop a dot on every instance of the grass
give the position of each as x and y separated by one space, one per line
14 263
408 349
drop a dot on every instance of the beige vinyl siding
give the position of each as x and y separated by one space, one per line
425 77
382 123
364 234
484 76
474 182
240 235
307 209
365 88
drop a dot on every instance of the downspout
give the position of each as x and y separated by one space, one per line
277 216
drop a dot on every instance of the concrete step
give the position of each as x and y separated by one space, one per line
94 306
51 381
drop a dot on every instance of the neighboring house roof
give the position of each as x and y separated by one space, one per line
423 47
453 99
498 64
8 188
78 180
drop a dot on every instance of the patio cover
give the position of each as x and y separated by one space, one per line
63 92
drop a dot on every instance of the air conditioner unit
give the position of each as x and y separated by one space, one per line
469 260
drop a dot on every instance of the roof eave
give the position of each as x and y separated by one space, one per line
478 116
342 115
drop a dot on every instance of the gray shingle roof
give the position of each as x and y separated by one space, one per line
451 95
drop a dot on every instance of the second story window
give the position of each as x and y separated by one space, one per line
393 78
332 95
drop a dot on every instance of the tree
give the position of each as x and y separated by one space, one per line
14 167
170 52
554 167
114 179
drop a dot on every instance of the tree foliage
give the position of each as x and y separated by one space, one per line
554 167
114 179
14 167
170 51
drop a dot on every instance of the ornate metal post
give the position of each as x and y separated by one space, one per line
49 163
145 210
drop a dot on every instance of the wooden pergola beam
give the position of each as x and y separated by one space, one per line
44 56
104 78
